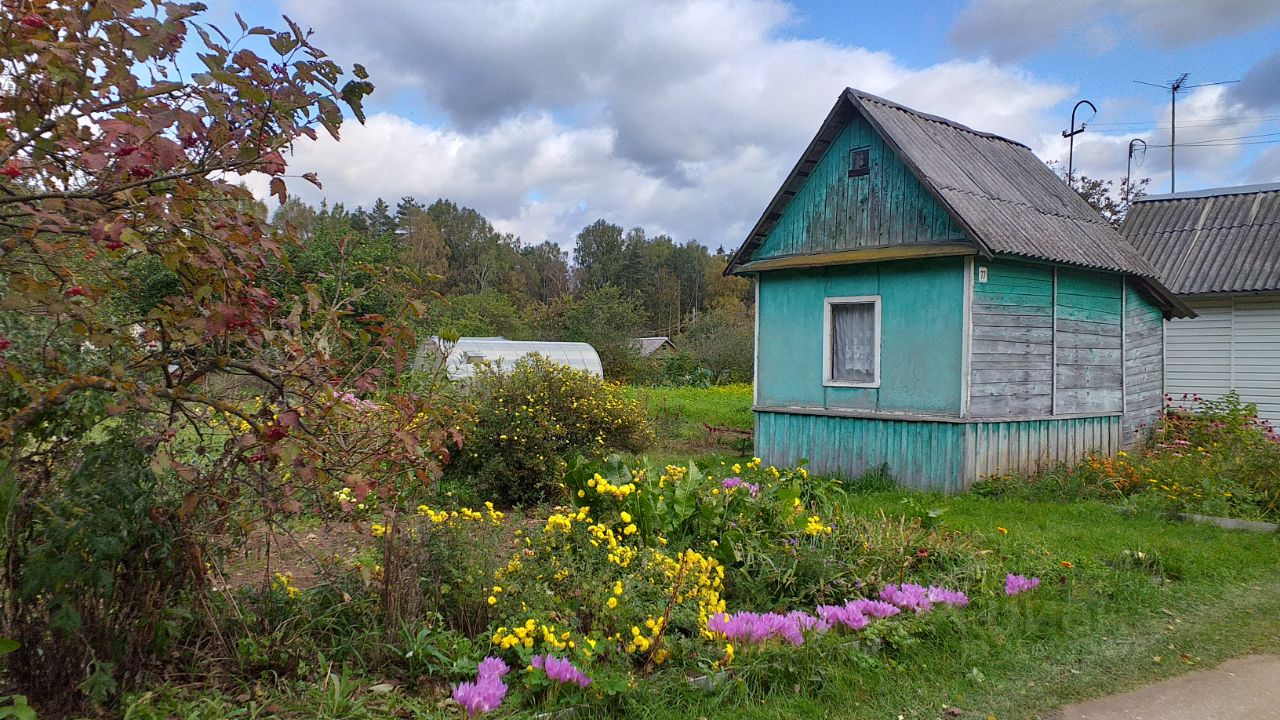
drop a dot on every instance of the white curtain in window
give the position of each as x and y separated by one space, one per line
853 342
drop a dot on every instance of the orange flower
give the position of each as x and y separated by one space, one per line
1066 564
1002 531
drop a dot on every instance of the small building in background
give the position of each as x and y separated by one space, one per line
657 346
933 299
1219 250
461 358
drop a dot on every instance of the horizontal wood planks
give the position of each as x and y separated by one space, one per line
1045 343
1143 366
833 212
1011 368
1089 365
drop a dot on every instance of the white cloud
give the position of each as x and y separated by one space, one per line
1011 29
681 117
1211 126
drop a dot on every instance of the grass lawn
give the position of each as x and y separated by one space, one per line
1204 595
1125 600
681 417
1109 623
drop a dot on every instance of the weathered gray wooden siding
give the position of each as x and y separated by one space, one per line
833 212
998 448
1011 366
1143 365
1088 367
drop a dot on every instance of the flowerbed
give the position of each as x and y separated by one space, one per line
1213 457
653 571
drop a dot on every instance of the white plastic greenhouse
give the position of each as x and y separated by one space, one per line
468 352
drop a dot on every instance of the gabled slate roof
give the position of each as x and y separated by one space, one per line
1220 240
1006 199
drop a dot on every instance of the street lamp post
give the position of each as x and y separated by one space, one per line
1071 135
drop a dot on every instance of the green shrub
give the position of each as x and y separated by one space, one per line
531 417
101 572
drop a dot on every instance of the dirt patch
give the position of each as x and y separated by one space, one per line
304 553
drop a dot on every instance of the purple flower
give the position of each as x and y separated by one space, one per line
481 696
562 671
731 483
846 615
1014 584
954 598
873 608
753 488
909 596
761 627
492 667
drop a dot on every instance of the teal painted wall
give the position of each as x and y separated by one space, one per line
833 211
939 456
924 455
921 348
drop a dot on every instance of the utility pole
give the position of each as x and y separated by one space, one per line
1174 88
1173 130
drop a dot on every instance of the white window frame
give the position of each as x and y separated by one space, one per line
873 300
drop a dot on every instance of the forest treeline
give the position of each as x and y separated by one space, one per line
474 280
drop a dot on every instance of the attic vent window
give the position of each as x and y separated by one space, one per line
860 162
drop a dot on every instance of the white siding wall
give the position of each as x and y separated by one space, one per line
1234 343
1255 353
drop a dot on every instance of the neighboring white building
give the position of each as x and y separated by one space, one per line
1219 250
468 352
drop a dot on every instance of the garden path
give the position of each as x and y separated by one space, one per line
1246 688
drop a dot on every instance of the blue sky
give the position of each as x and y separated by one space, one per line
683 117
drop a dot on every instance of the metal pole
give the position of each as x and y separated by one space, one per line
1173 138
1128 169
1071 136
1174 87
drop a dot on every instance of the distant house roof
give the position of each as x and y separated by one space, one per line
647 346
1211 241
1005 198
467 352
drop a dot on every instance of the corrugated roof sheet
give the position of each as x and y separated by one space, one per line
997 189
647 346
1211 241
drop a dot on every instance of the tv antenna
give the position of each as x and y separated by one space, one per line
1174 87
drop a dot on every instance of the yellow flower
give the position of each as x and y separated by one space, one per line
378 530
612 603
493 600
626 516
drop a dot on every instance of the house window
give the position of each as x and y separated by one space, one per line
860 162
851 342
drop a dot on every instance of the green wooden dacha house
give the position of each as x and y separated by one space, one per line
934 299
